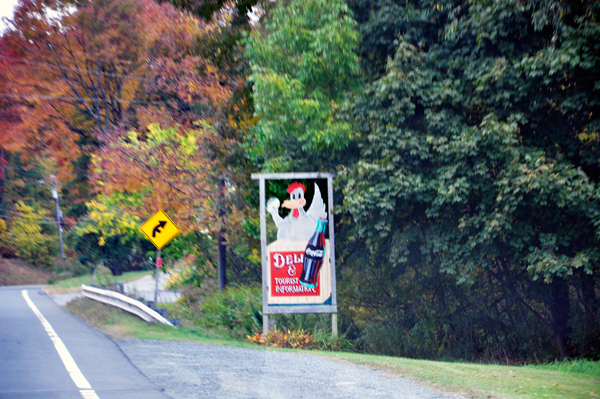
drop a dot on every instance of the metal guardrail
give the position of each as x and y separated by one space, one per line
123 302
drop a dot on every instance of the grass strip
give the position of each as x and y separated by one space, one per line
119 324
491 381
73 285
568 380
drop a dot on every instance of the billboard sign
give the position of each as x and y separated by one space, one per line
299 266
286 266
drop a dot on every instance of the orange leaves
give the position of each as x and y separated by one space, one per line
282 339
168 168
299 340
128 83
92 68
188 81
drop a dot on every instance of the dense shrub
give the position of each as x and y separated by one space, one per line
237 308
69 267
31 243
6 248
299 340
237 313
103 277
426 315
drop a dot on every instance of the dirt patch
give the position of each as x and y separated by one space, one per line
101 316
16 272
117 332
51 290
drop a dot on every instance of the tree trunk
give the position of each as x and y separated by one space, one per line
591 341
560 310
590 302
221 239
222 260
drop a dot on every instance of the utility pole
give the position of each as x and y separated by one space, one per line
221 243
3 164
58 215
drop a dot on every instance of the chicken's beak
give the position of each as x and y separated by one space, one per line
294 204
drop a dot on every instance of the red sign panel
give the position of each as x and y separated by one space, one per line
286 269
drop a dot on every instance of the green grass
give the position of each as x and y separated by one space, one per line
118 324
572 366
559 380
74 284
568 380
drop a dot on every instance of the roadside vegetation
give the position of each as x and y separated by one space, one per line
565 379
17 272
465 137
72 285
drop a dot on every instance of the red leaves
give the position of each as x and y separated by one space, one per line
282 339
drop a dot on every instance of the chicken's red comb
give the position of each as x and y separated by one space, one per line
294 186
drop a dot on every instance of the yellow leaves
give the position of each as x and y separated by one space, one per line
283 339
108 216
588 137
244 121
27 235
169 169
188 143
153 130
255 256
210 69
133 137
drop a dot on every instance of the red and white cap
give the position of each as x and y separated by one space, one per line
294 186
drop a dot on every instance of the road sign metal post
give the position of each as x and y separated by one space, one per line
158 265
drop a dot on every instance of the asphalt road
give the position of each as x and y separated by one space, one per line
31 366
47 353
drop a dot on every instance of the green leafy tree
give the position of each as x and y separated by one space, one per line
6 249
222 47
480 157
304 63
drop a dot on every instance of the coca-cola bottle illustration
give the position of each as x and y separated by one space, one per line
314 254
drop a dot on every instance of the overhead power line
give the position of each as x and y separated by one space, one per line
22 171
52 66
19 215
52 223
73 98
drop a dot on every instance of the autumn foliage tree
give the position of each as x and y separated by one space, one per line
182 154
84 78
77 72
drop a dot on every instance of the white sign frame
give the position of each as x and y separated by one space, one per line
289 309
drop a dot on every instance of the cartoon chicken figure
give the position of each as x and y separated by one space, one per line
299 225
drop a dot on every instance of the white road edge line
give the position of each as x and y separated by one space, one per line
80 381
